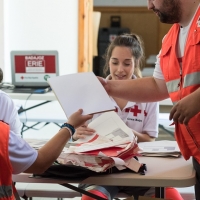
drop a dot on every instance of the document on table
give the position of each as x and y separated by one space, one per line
81 90
111 131
159 148
113 144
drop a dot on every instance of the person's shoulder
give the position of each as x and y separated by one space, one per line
4 95
152 104
5 99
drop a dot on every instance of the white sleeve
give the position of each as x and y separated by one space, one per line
9 113
21 155
157 71
150 124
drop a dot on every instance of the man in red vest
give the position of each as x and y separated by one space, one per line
17 156
176 75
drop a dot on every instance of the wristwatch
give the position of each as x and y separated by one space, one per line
69 127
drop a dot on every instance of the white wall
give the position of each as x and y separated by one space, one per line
120 2
42 25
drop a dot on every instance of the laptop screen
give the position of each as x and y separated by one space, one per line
33 68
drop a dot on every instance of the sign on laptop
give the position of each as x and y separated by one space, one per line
33 68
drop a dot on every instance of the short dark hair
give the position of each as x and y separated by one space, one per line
1 75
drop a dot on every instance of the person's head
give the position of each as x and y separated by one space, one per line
124 57
1 75
168 11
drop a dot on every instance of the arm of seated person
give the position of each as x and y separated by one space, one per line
143 137
82 132
52 149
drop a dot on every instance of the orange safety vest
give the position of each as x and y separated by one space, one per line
6 190
181 83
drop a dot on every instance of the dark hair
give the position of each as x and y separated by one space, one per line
135 44
1 75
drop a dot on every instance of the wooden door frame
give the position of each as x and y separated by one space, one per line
85 17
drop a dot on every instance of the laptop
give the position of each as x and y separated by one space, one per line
31 69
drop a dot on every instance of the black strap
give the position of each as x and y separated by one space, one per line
82 191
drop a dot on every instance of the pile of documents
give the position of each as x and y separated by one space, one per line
113 144
160 148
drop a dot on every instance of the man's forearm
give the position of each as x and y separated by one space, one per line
138 90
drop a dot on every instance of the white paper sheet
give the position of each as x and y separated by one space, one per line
160 148
80 90
111 131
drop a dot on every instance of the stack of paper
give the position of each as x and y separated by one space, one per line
113 144
159 148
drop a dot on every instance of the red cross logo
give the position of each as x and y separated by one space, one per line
22 77
135 111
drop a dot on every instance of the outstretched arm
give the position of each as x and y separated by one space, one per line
52 149
148 89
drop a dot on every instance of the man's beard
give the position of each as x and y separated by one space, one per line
171 12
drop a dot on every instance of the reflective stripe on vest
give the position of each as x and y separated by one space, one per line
5 191
172 86
191 79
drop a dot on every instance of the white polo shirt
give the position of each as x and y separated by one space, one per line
141 117
21 155
9 114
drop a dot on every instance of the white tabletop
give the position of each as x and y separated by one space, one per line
49 96
161 172
49 112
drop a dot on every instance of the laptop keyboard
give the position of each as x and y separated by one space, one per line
23 90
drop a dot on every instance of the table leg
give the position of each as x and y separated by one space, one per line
159 192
